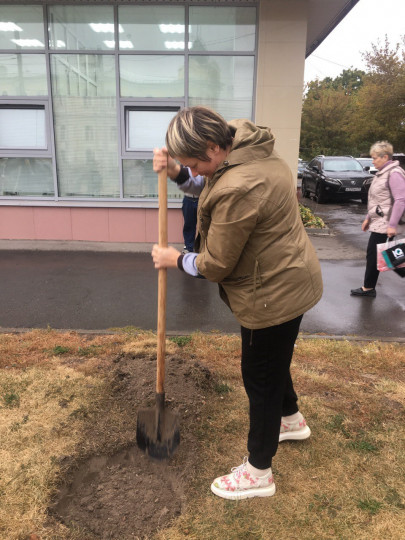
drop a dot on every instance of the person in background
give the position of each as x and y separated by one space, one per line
251 241
189 209
385 207
191 187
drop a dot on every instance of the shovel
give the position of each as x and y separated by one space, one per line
157 430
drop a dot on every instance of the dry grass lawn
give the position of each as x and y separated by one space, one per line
346 482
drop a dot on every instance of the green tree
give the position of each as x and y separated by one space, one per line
347 114
326 115
379 111
351 80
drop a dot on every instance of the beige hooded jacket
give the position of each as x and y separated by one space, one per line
251 238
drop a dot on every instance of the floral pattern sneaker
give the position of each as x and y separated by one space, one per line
297 431
240 484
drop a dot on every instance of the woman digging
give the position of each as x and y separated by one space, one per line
251 241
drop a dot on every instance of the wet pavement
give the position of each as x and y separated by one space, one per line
342 257
98 288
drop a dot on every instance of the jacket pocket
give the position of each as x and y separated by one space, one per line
204 222
236 280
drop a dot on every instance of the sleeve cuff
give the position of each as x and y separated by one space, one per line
180 262
183 176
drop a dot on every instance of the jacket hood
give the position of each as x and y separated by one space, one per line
250 142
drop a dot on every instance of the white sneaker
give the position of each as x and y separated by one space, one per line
240 484
295 431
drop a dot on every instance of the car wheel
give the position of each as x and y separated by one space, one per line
320 196
304 189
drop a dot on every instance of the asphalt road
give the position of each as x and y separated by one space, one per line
74 287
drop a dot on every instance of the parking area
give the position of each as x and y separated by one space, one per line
343 218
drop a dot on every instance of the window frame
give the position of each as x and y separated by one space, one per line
29 152
136 105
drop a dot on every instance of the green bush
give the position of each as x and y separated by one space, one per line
309 219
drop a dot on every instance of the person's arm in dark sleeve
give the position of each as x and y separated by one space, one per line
192 185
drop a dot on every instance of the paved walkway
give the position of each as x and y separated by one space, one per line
97 287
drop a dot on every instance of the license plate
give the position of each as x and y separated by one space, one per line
353 189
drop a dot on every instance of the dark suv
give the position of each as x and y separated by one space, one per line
337 177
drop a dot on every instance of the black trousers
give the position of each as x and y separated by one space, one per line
371 273
266 359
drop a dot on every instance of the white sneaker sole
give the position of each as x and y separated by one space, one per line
299 435
245 493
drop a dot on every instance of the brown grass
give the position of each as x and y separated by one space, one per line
346 481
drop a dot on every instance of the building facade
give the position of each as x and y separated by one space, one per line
87 89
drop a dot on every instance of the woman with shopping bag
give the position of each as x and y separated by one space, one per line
385 211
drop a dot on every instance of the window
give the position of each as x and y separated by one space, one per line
339 165
152 28
84 103
25 132
224 83
146 127
152 76
26 177
222 28
21 27
140 181
113 74
25 153
81 27
23 126
25 129
23 75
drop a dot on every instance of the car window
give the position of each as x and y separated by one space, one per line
342 165
365 162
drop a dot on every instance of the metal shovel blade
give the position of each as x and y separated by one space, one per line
157 430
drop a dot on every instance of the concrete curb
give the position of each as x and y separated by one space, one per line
102 247
173 333
73 245
319 232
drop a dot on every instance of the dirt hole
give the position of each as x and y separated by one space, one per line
125 494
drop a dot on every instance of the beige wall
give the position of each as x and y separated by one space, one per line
280 74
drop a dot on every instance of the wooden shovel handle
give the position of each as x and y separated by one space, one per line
162 284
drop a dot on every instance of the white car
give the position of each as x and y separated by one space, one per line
367 162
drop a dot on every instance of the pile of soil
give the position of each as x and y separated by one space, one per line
123 494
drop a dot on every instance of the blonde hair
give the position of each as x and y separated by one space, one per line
382 148
192 128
